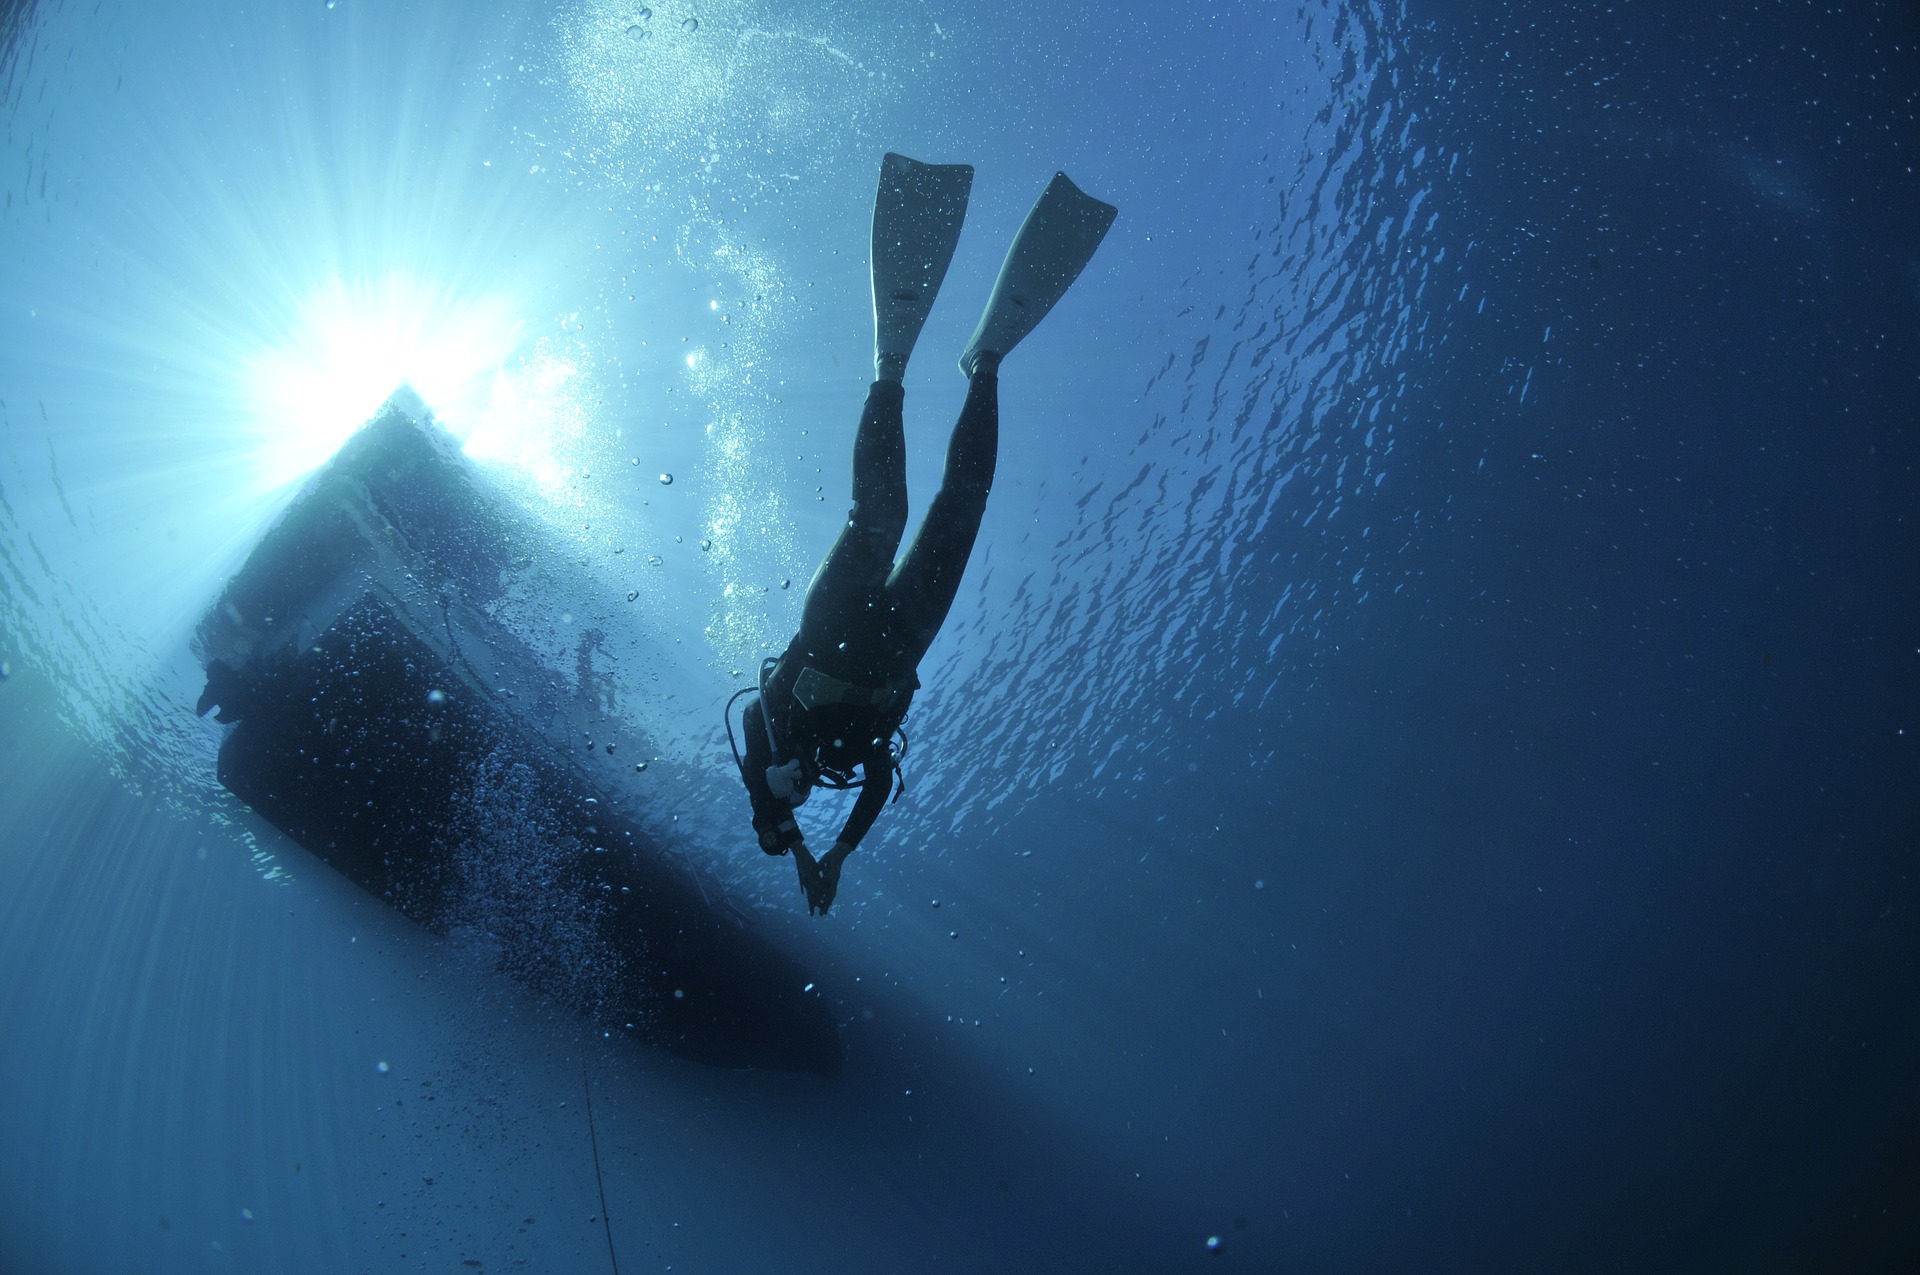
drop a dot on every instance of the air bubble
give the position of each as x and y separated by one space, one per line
666 480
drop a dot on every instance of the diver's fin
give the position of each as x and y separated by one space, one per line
916 222
1055 243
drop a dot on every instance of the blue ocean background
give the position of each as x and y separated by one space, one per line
1421 775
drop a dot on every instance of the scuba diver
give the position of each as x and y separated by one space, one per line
835 700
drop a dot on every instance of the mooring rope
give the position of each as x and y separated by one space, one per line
606 1222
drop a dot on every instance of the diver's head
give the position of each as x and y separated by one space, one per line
839 757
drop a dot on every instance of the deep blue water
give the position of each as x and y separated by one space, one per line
1421 776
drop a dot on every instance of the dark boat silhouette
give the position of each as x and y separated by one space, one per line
358 654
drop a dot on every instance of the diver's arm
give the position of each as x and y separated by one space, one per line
876 787
773 819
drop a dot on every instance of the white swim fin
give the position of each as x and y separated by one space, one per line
1054 245
916 222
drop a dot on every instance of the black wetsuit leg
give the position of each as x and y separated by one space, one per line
845 622
924 584
852 577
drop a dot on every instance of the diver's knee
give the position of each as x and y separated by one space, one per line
963 499
879 519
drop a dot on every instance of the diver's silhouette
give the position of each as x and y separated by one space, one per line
833 702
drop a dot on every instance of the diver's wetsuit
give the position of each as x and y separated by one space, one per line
844 684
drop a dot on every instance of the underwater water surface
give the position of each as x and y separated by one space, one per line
1420 776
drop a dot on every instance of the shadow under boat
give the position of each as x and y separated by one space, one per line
352 654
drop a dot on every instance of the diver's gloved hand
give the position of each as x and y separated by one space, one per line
809 873
788 782
828 878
